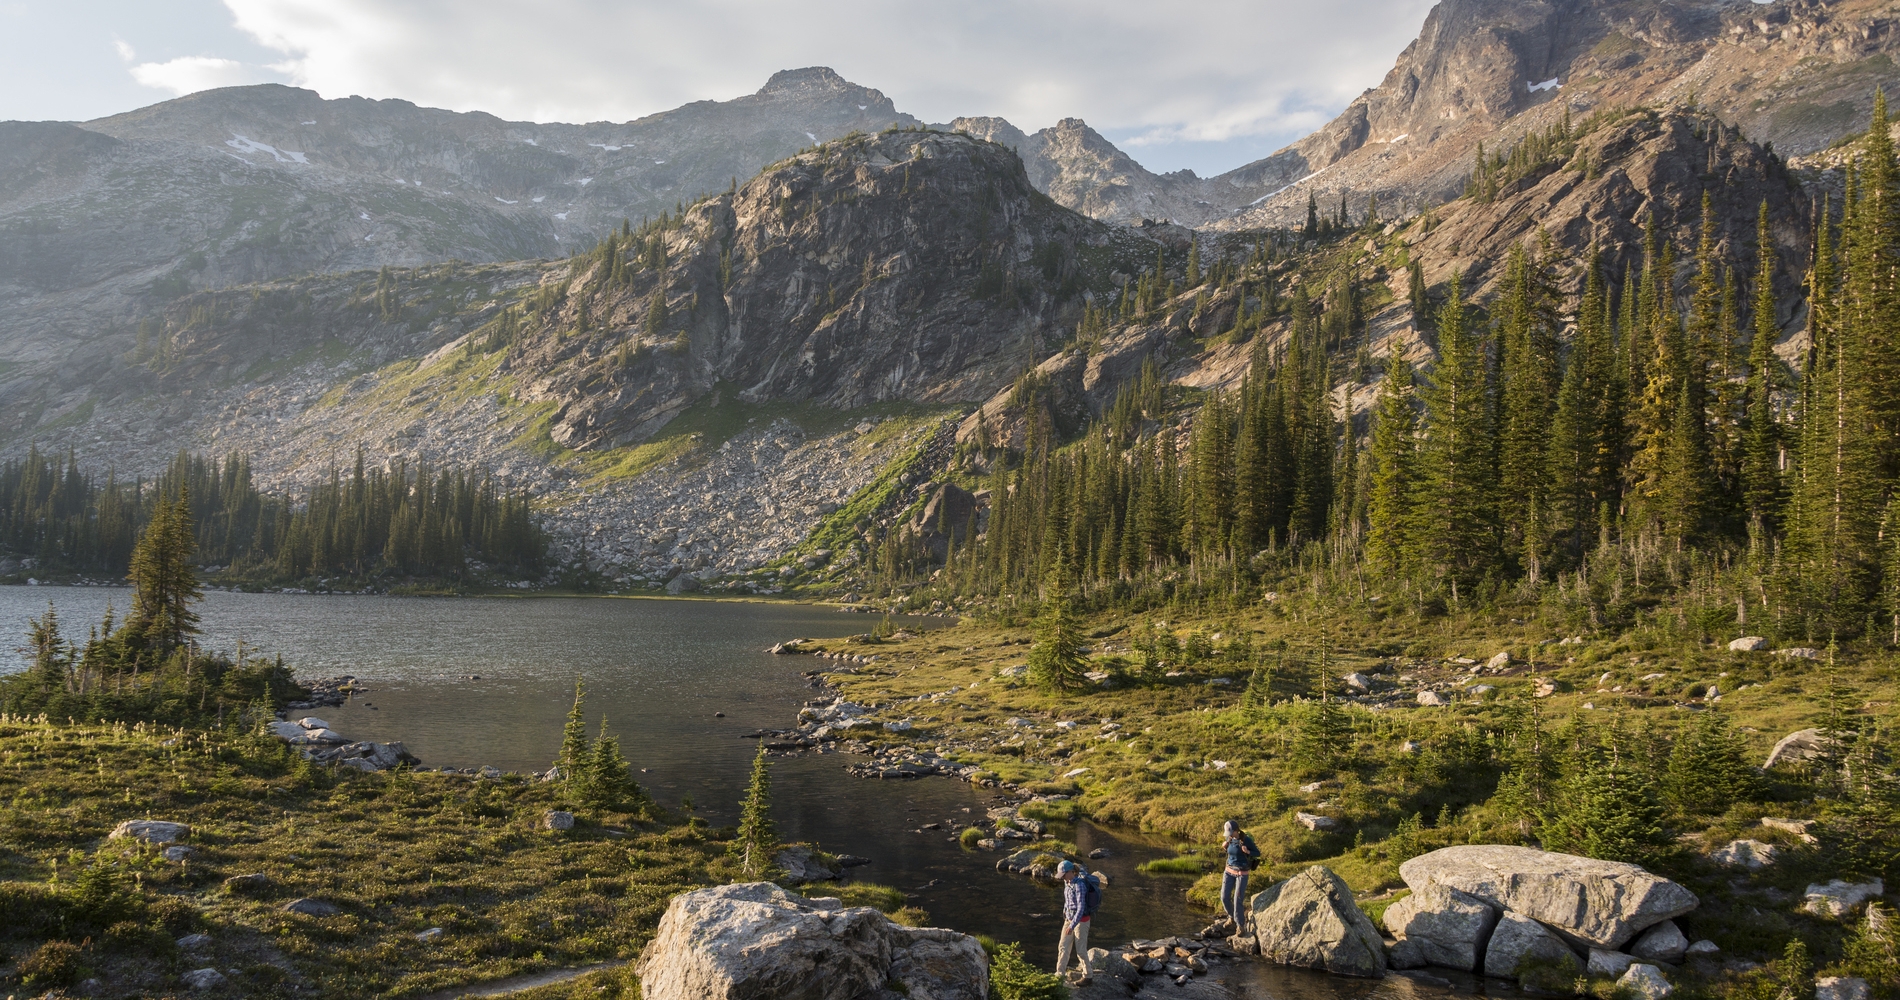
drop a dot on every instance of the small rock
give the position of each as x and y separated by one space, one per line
1664 942
1316 822
1358 681
1798 827
490 773
1431 698
1411 746
1748 644
177 852
1750 854
431 936
1545 688
1608 963
1800 653
312 907
557 819
1841 988
1703 949
1498 662
151 831
202 979
899 726
247 883
195 942
1645 981
1098 854
1838 898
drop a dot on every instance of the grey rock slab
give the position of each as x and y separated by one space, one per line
1664 942
1748 644
1518 939
312 907
202 979
1799 747
1311 921
1447 928
558 819
1841 988
151 831
1702 949
1646 982
1753 855
756 940
195 942
1608 963
1592 903
1839 897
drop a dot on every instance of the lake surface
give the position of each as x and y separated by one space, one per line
660 672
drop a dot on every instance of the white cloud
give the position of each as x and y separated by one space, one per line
1167 75
190 74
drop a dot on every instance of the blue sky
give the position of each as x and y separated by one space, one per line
1209 85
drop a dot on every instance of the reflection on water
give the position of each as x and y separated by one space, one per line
662 672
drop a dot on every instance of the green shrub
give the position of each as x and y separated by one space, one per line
55 963
1013 978
970 836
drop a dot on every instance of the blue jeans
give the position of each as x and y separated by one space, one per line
1233 899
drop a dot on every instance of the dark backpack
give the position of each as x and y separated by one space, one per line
1250 857
1091 894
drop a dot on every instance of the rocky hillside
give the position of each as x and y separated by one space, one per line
103 222
719 380
1798 74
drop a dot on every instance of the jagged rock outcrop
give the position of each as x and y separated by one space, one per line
1590 902
1311 921
755 940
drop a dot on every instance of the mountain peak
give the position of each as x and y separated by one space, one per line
809 78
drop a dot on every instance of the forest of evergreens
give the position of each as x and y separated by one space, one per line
1633 453
394 521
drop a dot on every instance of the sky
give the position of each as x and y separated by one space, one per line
1208 85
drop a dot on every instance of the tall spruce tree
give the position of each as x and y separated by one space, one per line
1761 460
1394 468
164 581
1456 508
756 841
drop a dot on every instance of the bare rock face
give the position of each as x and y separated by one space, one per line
755 940
1446 927
151 831
1592 903
1311 921
1799 747
1518 940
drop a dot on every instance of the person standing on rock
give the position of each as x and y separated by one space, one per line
1243 856
1081 894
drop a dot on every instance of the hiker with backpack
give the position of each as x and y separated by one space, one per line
1243 856
1081 897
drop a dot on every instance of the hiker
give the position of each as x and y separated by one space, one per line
1243 856
1081 895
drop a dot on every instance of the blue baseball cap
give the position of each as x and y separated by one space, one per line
1067 866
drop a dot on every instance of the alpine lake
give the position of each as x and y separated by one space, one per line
684 684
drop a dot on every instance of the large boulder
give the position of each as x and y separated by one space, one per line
1518 940
1799 747
1592 903
1311 921
1645 982
1750 854
755 940
1446 927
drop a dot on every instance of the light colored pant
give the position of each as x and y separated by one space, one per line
1233 899
1075 945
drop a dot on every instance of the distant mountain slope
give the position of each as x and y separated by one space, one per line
1796 73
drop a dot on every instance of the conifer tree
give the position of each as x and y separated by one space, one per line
1055 661
1709 768
1457 496
1761 461
1393 461
1606 807
609 777
574 758
1529 363
756 842
164 581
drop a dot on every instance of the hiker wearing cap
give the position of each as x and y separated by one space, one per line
1081 894
1243 855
